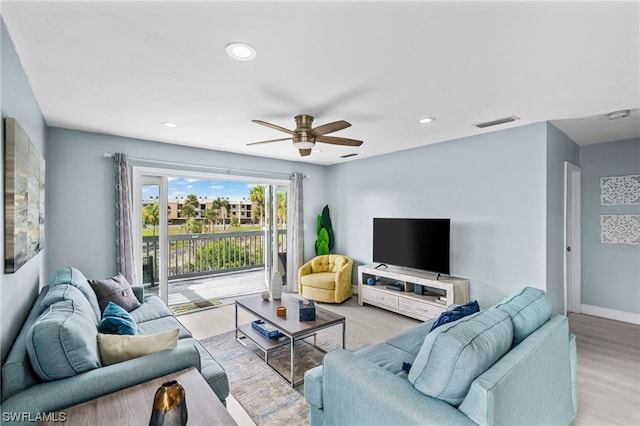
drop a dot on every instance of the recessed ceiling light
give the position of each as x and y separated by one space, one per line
618 114
426 120
169 124
240 51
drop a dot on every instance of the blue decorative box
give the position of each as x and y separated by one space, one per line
308 311
267 330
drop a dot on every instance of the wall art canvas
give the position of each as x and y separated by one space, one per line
24 169
620 190
620 228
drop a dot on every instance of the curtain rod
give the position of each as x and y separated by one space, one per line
222 170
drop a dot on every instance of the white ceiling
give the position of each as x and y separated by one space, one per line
123 67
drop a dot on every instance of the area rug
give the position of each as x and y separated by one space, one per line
263 394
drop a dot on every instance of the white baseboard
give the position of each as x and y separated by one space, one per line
598 311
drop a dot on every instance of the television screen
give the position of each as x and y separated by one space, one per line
412 243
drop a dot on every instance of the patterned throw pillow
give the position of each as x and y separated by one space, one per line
115 320
116 290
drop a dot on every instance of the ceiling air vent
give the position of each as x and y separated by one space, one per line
496 122
348 155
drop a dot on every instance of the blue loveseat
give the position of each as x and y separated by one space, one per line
69 299
512 364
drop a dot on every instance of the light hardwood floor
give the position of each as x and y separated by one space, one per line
608 356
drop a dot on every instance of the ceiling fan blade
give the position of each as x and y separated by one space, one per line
330 128
269 141
305 152
273 126
338 141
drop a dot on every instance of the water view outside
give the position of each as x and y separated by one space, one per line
213 227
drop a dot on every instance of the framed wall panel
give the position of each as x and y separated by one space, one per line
24 179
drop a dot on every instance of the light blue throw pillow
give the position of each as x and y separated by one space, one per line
455 354
528 308
115 320
62 342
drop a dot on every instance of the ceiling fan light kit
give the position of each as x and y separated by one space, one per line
304 137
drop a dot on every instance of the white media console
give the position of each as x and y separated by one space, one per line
436 295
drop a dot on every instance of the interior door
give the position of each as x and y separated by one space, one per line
572 242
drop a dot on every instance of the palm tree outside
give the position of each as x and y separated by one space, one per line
257 196
190 209
151 215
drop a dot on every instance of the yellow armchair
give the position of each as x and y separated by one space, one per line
326 278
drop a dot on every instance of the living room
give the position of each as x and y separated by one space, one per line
503 189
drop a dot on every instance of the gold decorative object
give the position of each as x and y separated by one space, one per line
281 311
169 405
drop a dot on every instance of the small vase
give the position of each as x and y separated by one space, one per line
169 406
276 285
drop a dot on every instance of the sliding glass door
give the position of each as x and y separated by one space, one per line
203 239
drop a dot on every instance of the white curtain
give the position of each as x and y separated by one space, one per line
124 231
296 250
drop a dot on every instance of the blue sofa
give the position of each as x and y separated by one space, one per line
24 391
512 364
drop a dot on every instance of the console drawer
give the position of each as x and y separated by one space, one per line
379 298
418 308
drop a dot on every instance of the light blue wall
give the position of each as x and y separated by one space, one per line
17 290
610 272
80 194
492 186
560 148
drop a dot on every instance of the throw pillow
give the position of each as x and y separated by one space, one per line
115 320
454 355
456 313
116 348
116 290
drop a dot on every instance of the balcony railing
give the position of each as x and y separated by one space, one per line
192 255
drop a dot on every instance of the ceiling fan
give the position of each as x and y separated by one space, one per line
304 137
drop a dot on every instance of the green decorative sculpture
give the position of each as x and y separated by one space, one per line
325 241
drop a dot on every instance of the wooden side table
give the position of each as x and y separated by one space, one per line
132 406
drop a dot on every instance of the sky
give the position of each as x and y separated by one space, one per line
212 189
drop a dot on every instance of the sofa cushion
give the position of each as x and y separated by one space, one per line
62 341
456 313
152 308
118 348
115 320
528 308
453 355
62 292
117 290
163 324
388 357
323 280
71 275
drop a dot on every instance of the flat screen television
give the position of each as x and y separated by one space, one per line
412 243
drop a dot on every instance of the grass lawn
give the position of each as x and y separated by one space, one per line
147 231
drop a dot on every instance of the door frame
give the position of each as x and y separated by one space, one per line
572 241
159 175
